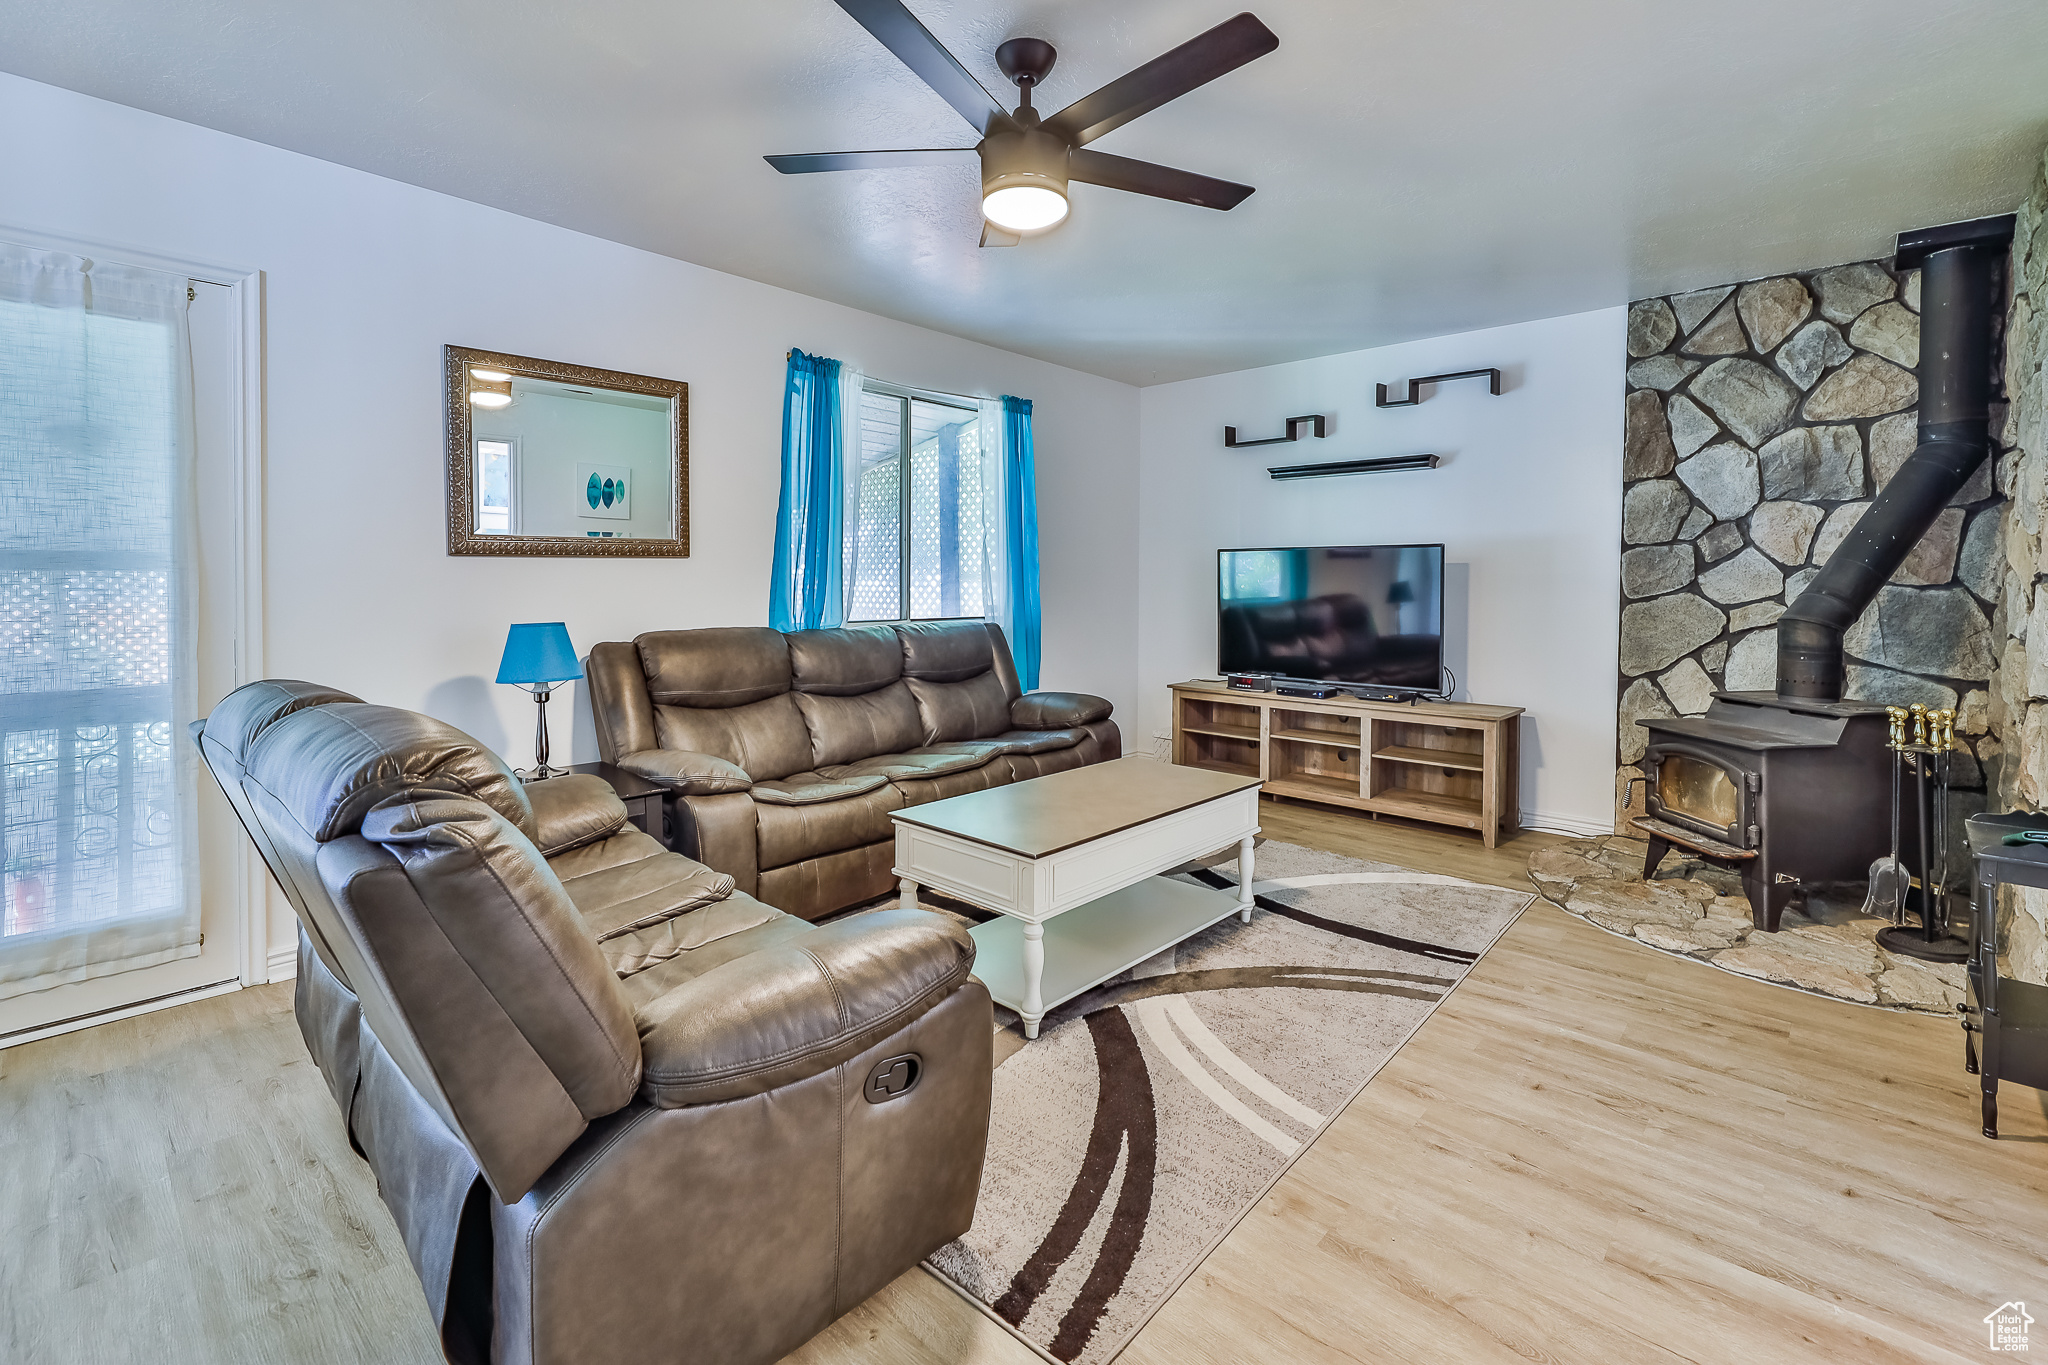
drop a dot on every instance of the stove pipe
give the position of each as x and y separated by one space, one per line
1958 264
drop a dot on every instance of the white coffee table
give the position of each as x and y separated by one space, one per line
1070 861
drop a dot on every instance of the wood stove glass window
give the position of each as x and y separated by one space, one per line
1701 790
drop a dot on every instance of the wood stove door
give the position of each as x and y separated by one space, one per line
1699 789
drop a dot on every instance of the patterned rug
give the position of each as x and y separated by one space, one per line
1154 1111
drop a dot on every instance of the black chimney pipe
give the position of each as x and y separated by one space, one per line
1958 265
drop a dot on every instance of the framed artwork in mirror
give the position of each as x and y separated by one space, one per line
551 459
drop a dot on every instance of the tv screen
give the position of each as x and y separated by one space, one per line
1367 614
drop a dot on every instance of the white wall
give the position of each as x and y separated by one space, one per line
367 278
1525 504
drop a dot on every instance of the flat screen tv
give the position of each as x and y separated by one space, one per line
1368 615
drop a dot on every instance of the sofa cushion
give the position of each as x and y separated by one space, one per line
248 711
687 771
1057 710
644 904
922 762
768 738
790 833
328 765
662 977
808 789
724 667
845 662
1040 741
945 651
799 1008
918 790
844 729
572 810
978 708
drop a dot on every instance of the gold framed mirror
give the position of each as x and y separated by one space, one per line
550 459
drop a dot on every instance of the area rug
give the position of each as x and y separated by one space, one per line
1154 1111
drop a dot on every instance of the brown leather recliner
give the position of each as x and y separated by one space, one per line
619 1110
785 754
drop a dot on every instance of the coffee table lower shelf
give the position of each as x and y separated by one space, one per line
1089 944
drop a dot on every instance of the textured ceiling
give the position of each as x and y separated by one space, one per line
1421 168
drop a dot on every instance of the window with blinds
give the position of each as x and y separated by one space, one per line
916 532
95 659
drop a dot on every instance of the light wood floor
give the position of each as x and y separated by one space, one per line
1590 1153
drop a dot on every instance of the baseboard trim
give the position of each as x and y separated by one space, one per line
1550 822
85 1021
283 964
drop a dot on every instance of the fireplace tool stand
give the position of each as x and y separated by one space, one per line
1932 736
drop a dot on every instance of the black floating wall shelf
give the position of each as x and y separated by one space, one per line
1415 387
1314 419
1388 465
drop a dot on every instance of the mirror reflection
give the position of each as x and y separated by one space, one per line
553 459
564 460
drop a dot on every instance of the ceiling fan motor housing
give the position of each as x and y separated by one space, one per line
1023 156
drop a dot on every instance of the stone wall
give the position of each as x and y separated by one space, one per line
1762 419
2019 694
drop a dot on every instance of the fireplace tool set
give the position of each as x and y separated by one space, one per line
1925 739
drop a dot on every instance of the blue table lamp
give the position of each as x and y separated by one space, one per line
539 658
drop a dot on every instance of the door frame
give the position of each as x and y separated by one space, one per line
250 889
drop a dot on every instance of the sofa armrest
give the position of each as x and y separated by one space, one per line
799 1008
687 773
1057 710
572 810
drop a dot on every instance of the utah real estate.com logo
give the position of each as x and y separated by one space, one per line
2007 1326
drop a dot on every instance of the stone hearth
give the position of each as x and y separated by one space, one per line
1826 945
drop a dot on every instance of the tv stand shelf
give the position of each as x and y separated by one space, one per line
1450 763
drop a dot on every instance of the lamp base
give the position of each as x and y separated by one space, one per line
541 771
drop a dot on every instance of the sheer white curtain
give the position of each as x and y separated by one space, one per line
852 399
995 560
97 645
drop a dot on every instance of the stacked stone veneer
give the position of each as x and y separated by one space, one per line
1761 420
2019 694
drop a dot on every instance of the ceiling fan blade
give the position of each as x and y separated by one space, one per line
1195 62
1161 182
806 162
991 235
897 29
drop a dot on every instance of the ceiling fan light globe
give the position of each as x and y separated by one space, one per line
1024 208
484 398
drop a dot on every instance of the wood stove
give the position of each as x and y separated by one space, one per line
1794 787
1790 792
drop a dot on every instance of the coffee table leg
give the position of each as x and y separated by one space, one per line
907 899
1244 879
1034 976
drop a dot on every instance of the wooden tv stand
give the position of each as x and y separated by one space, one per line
1452 763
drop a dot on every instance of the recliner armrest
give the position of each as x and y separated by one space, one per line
691 774
572 810
799 1008
1057 710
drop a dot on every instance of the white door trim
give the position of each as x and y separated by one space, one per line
244 283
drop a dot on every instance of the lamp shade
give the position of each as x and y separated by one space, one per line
1399 591
539 652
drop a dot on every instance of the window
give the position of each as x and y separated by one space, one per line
96 651
497 486
916 540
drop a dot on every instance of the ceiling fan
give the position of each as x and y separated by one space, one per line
1026 161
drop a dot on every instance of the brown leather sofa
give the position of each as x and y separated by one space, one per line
785 753
619 1110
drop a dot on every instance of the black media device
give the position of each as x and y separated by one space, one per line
1364 620
1249 682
